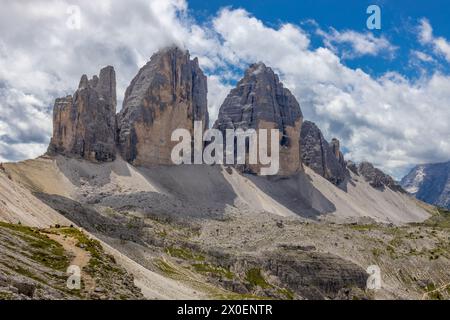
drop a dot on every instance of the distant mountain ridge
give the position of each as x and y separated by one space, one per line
429 183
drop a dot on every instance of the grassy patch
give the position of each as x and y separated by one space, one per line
216 270
376 252
363 227
100 262
440 219
19 228
162 233
238 296
6 296
109 211
92 246
184 254
255 278
43 250
433 294
289 294
25 272
165 267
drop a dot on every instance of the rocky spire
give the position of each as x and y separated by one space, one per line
169 92
336 149
260 101
324 158
84 124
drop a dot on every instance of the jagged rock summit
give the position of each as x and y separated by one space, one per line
260 101
324 158
377 178
84 125
168 93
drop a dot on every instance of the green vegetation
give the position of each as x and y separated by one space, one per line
215 270
19 228
289 294
184 254
44 250
6 296
134 223
239 296
255 278
376 252
391 250
99 262
165 267
432 293
109 211
440 219
92 246
363 227
162 233
37 245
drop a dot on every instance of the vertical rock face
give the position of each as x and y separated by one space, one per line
260 101
336 148
325 159
168 93
84 125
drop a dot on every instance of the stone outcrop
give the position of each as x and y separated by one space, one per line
335 146
324 158
260 101
377 178
84 125
168 93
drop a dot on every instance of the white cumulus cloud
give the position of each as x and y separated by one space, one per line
440 45
352 44
392 120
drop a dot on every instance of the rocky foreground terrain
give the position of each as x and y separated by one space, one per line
34 262
150 229
178 241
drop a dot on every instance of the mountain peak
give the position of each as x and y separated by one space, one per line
168 93
84 124
261 101
429 183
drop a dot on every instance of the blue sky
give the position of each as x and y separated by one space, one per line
383 93
399 18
